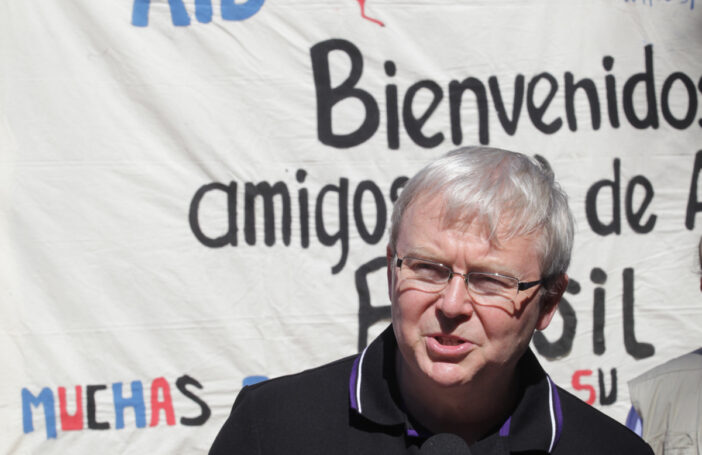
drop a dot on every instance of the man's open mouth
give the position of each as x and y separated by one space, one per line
449 341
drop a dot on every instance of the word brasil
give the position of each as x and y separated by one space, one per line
161 404
641 102
369 314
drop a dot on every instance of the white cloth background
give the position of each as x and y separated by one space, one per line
113 115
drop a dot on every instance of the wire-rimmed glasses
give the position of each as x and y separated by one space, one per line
485 288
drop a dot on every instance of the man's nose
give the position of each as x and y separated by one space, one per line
455 301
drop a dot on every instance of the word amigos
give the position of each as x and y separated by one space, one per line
370 227
161 403
231 11
684 98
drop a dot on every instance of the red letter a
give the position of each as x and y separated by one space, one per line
166 404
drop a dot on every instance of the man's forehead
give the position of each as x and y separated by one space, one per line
462 219
493 227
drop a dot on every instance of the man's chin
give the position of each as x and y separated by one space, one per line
449 375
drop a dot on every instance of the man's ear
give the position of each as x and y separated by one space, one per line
389 254
550 301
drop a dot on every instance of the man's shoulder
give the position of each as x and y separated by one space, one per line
588 430
329 371
303 410
323 383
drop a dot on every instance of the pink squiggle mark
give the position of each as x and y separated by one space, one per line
363 13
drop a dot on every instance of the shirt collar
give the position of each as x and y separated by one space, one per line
537 421
535 424
373 389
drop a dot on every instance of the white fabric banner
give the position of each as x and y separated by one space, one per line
196 195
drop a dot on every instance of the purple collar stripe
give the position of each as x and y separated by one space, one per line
504 431
352 384
559 413
556 414
412 432
355 382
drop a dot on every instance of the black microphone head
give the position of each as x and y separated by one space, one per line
445 444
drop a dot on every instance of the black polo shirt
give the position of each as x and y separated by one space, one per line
354 406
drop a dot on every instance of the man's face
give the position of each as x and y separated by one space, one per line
445 338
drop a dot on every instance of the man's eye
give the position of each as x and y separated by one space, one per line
428 270
489 282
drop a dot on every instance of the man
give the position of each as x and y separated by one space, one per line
479 247
667 402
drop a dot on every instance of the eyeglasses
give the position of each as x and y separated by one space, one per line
488 289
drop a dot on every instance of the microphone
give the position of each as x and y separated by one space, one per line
445 444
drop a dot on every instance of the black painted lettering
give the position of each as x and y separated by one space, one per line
536 113
367 313
266 192
686 121
598 276
380 212
393 118
588 86
229 237
591 205
182 383
634 217
651 117
93 424
693 201
611 396
636 349
414 124
509 125
396 186
328 96
302 198
611 87
342 235
456 90
563 345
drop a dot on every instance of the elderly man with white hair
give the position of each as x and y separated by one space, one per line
479 248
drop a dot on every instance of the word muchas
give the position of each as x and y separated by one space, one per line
676 101
161 403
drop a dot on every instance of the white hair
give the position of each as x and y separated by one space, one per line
498 189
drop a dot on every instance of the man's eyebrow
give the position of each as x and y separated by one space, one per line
425 253
500 269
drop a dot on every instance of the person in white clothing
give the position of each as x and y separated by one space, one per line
667 403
